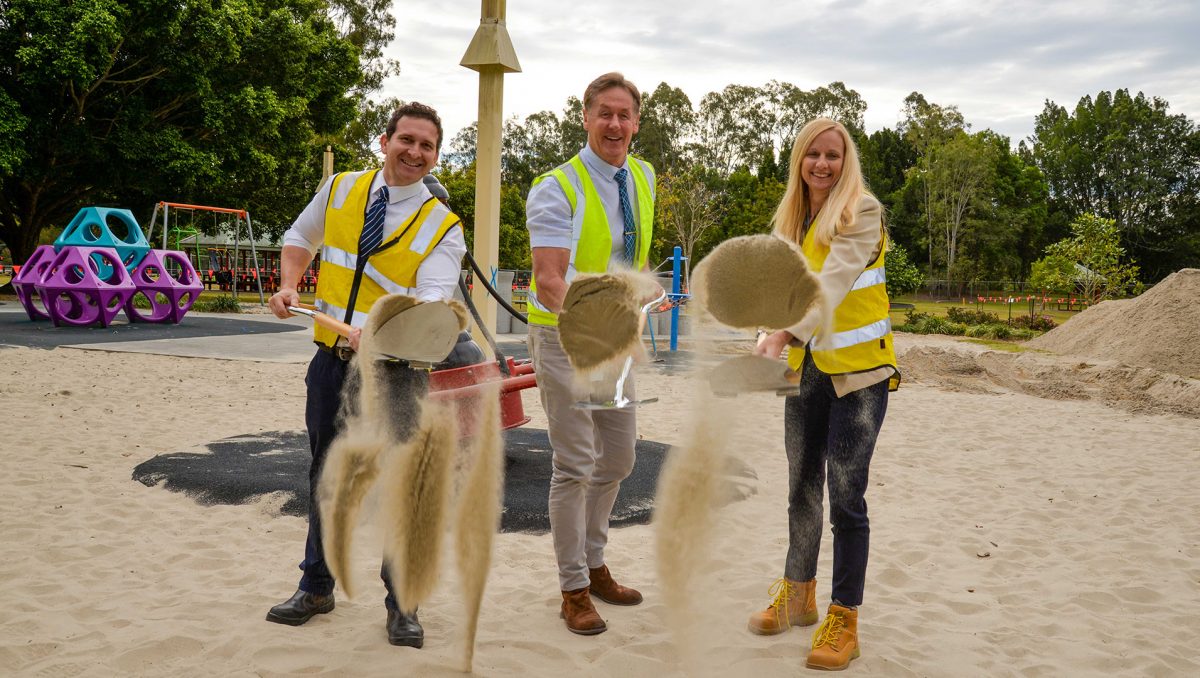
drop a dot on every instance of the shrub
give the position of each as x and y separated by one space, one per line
924 323
222 304
990 331
1038 323
967 316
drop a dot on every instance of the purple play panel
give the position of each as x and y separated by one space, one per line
84 285
167 279
27 279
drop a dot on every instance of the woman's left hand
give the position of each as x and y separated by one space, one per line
772 345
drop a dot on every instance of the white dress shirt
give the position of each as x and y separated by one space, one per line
437 276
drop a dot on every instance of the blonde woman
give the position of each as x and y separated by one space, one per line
847 368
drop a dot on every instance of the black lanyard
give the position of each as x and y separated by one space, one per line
361 264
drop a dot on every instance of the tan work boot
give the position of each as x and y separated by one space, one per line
794 604
836 641
579 613
604 588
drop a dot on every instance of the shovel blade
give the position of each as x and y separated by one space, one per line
612 404
753 374
425 333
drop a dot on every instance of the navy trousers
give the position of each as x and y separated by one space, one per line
824 433
329 379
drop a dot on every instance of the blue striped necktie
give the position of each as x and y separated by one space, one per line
372 233
630 230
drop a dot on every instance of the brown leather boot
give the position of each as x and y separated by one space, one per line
581 616
794 604
836 641
604 588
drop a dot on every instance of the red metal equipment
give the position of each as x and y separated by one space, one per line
465 384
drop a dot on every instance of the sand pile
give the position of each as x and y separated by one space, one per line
1159 330
1135 389
756 281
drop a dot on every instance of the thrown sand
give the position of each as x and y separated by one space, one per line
1160 329
684 516
418 484
478 517
600 318
756 281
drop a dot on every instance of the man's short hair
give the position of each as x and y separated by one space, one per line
416 109
608 81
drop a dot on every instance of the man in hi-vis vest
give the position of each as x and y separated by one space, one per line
593 214
379 232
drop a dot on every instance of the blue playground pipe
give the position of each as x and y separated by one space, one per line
676 264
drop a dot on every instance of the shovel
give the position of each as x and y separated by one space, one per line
753 374
422 335
619 401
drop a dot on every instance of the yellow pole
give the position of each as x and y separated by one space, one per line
491 54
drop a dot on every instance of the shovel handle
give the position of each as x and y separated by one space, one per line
327 321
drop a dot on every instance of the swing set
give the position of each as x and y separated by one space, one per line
222 269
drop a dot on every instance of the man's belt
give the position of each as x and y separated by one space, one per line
343 353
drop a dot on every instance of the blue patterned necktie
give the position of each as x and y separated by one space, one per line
630 230
372 233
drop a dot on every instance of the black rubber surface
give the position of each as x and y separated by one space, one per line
236 470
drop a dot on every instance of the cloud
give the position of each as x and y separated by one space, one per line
997 61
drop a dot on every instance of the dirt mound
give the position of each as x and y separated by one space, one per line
1159 330
1136 389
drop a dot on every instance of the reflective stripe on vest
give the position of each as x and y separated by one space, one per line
591 238
392 269
861 337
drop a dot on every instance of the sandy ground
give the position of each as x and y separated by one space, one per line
1015 532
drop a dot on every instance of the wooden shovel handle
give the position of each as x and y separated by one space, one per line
327 321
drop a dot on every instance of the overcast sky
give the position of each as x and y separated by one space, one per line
997 61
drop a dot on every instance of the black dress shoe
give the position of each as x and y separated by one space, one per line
404 629
300 608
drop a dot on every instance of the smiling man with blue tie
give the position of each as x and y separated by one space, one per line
379 232
592 214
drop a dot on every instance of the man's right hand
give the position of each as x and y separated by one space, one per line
279 302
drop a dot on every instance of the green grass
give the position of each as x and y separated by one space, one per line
1018 309
998 345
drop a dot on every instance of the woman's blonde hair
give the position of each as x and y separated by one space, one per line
843 200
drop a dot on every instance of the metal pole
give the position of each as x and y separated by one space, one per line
490 54
257 271
166 223
676 262
237 241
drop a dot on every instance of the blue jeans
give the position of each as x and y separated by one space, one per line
327 385
824 433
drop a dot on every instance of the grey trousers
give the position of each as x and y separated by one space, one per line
593 453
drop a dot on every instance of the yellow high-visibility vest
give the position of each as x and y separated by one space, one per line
391 269
861 338
592 240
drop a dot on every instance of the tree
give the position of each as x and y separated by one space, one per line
927 124
903 277
128 103
686 204
1124 158
665 129
1090 260
954 176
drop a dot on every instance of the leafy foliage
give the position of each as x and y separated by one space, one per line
1126 158
1090 260
122 103
968 316
903 277
1037 323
